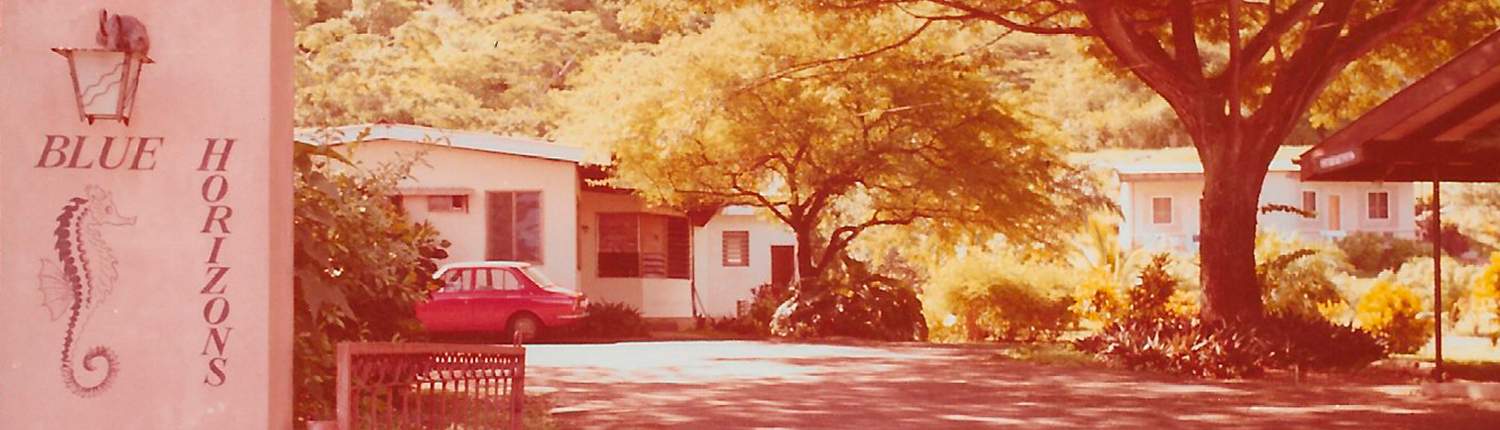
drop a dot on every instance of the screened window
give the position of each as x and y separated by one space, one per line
736 248
1310 201
514 226
448 203
1380 205
1161 210
633 245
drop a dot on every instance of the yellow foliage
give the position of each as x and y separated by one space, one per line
1394 312
1334 311
1097 300
998 296
1484 297
1184 303
1487 286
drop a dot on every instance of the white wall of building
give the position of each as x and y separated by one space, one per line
482 171
1354 209
474 164
721 287
1138 229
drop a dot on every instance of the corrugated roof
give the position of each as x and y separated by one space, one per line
1171 160
456 138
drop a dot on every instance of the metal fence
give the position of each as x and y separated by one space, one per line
430 386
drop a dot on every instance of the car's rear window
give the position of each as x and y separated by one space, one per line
543 281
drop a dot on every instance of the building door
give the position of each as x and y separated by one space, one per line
1335 214
783 264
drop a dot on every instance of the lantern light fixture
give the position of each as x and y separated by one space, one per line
105 79
104 82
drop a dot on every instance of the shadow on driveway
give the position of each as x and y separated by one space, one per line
746 384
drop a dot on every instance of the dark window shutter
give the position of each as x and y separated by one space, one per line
679 249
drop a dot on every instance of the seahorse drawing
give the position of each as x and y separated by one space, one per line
81 279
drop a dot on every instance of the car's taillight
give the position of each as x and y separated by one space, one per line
582 303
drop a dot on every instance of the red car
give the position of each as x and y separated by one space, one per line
498 297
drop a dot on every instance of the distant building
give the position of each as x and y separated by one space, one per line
506 198
1160 192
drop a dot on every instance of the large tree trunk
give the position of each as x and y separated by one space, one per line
1232 180
806 251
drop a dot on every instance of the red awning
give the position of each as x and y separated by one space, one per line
1444 127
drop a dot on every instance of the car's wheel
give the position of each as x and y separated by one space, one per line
525 325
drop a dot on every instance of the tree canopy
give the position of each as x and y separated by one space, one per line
460 64
1241 76
721 116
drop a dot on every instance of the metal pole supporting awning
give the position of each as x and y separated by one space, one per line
1443 128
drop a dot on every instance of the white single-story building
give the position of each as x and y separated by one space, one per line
1160 193
507 198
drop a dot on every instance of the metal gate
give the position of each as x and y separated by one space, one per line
430 386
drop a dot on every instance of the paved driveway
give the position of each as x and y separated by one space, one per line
734 384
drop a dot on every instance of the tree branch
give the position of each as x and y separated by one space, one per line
1185 38
974 12
1268 37
1369 34
826 61
1309 69
1146 59
842 236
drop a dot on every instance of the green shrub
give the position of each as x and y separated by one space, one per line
1458 280
1313 342
1371 253
1159 292
1154 336
1297 277
1097 301
1180 345
612 321
998 297
1154 290
740 324
1008 309
757 322
1394 313
343 291
1233 349
851 301
767 298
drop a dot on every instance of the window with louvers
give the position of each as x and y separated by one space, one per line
1379 205
634 245
736 248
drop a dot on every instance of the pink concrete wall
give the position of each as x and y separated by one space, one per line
222 71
